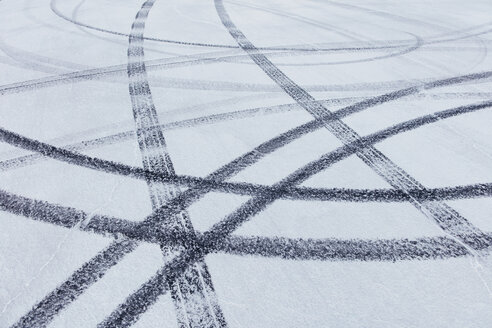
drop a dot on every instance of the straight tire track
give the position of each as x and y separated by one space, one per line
192 292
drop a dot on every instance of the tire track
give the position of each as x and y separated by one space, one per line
219 232
344 250
287 248
359 195
199 44
99 73
437 251
45 311
447 218
68 217
120 71
215 181
186 198
68 19
105 38
340 31
192 292
212 45
154 294
413 21
22 161
214 238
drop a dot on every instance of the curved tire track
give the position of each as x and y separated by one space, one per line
186 198
215 181
215 238
447 218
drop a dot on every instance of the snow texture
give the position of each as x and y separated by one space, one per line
230 163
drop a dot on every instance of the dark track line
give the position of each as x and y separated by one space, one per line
391 195
443 215
193 295
188 196
71 218
152 291
214 238
45 311
31 159
378 250
406 48
403 126
333 249
96 268
302 249
148 232
221 230
215 181
63 216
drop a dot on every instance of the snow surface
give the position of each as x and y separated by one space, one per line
223 78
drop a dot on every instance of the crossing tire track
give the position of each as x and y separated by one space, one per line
447 218
192 292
